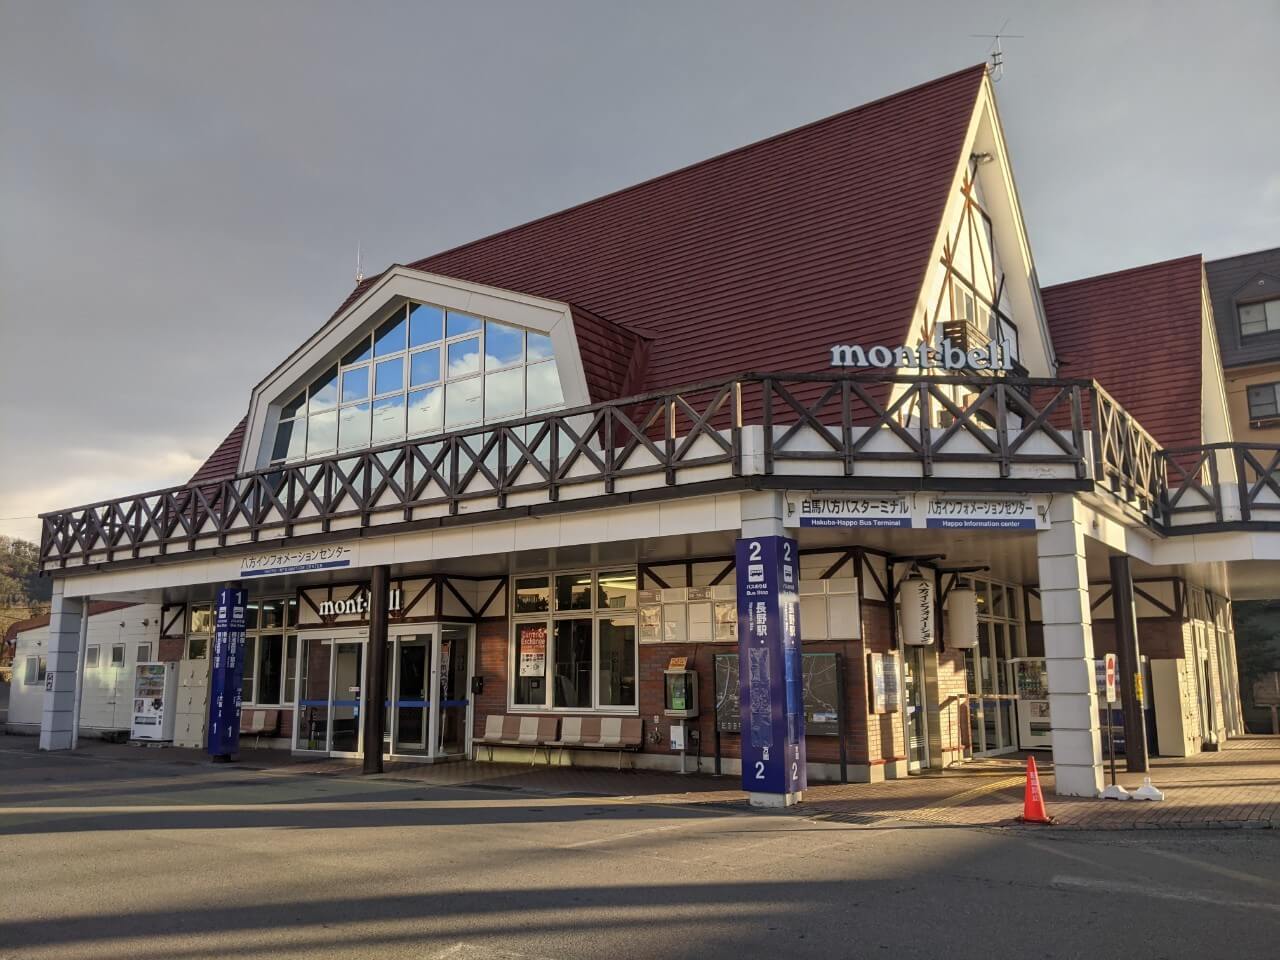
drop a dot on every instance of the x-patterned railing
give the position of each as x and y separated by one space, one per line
803 426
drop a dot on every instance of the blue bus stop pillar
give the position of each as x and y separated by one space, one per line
769 660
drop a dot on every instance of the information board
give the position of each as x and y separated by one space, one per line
822 703
226 672
771 685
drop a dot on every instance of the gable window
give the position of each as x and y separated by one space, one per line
424 370
1260 317
573 643
1264 401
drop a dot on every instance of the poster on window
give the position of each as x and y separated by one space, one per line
533 649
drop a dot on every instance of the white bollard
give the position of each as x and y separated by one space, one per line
1147 791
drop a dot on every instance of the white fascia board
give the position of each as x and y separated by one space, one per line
1010 238
1001 194
402 283
1215 414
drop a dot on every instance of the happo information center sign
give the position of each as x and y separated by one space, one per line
226 672
770 677
921 511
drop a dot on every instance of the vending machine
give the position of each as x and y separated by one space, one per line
155 696
1031 684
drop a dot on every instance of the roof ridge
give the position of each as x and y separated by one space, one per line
1126 270
1247 253
755 144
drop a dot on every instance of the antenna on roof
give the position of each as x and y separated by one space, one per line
359 265
996 68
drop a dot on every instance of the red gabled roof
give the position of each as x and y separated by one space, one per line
760 258
224 462
1138 333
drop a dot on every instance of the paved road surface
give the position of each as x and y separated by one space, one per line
127 858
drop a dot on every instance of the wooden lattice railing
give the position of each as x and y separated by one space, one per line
995 432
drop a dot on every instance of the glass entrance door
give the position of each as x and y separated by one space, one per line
454 678
409 708
344 707
917 710
330 685
330 678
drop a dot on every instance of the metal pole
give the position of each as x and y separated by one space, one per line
1111 741
374 693
81 653
1129 664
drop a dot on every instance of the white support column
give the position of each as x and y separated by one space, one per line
1068 648
57 722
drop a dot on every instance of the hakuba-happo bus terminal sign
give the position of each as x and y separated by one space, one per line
770 671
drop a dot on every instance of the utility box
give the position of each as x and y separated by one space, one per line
681 699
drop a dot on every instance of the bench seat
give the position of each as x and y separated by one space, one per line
624 734
516 731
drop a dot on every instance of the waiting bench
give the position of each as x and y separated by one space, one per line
259 723
624 734
513 731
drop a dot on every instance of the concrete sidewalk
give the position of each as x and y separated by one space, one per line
1238 786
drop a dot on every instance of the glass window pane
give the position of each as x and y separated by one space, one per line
271 614
462 402
616 590
426 411
539 347
294 406
532 595
324 391
543 386
464 358
426 324
358 353
424 367
504 393
1263 399
389 377
291 439
200 619
270 662
353 430
460 323
390 337
571 666
503 345
1253 318
388 419
531 665
573 591
1273 314
322 433
355 384
250 665
617 669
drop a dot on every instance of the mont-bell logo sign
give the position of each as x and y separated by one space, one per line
945 356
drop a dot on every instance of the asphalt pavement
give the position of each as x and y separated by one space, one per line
125 857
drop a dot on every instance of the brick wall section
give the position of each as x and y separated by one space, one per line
170 650
948 710
492 639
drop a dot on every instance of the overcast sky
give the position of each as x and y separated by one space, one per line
182 185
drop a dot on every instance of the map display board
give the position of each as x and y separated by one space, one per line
822 687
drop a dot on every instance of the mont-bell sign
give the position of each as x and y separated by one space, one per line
945 356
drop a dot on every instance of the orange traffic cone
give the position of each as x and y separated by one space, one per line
1033 810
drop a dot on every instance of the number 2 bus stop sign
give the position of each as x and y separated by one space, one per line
770 676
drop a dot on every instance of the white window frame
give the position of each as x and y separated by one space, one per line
144 648
594 615
36 664
1275 392
92 656
1270 317
118 648
405 356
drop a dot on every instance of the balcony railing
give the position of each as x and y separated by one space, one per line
862 430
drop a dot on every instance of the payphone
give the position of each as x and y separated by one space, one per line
680 702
